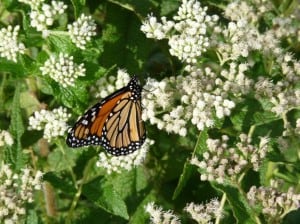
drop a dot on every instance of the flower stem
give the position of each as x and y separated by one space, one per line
79 190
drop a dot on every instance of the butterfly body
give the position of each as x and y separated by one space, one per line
114 123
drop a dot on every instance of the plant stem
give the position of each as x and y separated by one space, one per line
61 148
223 200
79 190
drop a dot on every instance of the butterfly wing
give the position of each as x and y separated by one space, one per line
88 129
115 123
124 131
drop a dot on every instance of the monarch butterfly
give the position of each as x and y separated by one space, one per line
114 123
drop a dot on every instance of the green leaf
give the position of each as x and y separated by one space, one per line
44 86
62 183
62 160
241 210
78 6
29 102
187 169
11 67
242 116
266 172
61 43
123 29
104 195
264 117
32 217
129 183
73 97
169 6
140 216
17 130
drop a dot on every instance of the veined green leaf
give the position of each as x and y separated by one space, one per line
104 195
17 130
187 169
238 203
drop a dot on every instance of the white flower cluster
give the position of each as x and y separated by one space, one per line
52 122
236 81
221 162
241 35
17 190
44 15
5 138
201 96
9 46
283 94
237 10
284 27
105 86
240 38
63 69
82 30
158 216
187 34
118 163
274 204
205 213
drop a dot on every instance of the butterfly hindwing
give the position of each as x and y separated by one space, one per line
80 134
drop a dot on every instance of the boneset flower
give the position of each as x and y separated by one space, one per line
158 216
63 69
187 33
82 30
9 46
200 96
272 203
221 162
17 189
52 122
44 15
204 213
5 138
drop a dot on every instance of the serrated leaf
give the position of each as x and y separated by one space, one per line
104 195
266 171
61 43
129 182
264 117
187 169
240 208
73 97
17 130
60 161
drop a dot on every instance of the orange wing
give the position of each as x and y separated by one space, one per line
115 123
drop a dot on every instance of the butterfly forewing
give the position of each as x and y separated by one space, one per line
115 122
